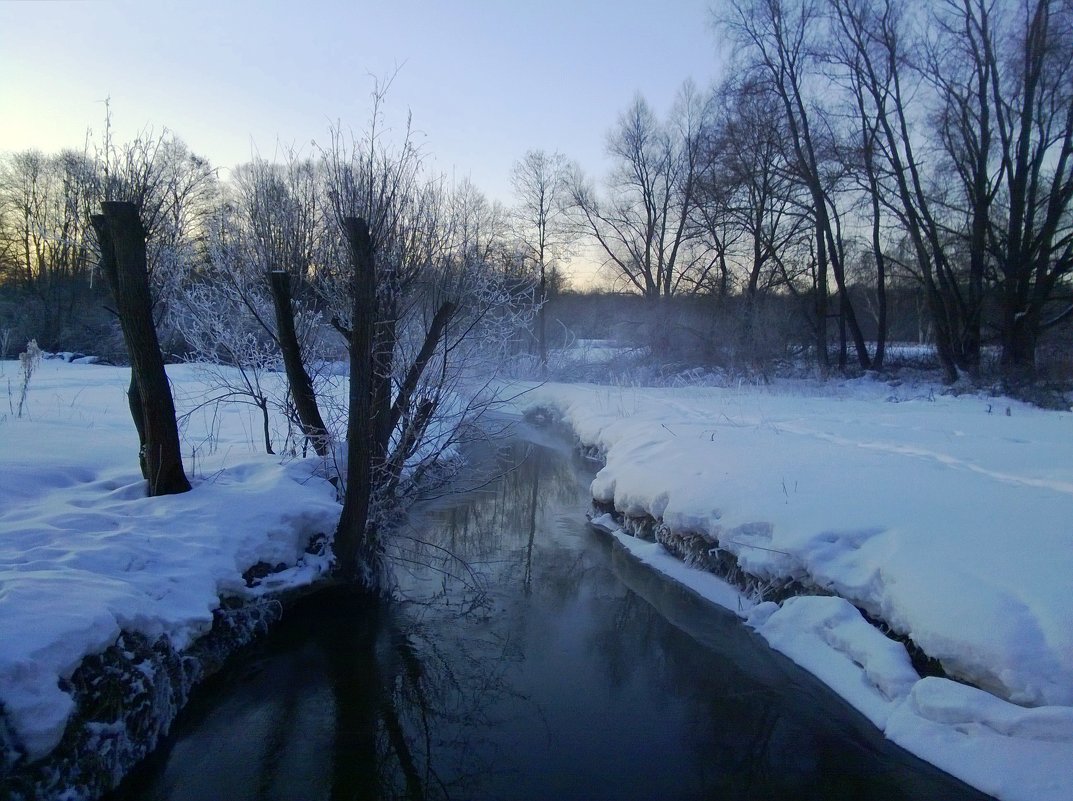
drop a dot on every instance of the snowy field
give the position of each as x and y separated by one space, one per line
949 518
84 554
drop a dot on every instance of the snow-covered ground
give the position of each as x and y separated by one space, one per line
949 518
83 552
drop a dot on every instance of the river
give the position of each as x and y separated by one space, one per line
531 660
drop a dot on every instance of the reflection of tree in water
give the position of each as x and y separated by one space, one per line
409 715
412 718
492 539
348 701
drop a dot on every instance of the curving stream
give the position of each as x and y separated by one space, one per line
546 665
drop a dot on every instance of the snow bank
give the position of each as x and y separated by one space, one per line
1005 750
829 638
949 518
84 554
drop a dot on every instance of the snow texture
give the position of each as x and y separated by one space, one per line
85 555
948 518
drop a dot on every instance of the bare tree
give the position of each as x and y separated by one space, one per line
46 250
123 261
479 227
281 227
542 223
875 50
781 39
173 189
390 223
420 297
1030 230
996 206
643 225
749 193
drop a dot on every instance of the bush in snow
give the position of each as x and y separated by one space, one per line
28 361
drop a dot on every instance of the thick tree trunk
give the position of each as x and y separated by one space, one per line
843 352
122 243
823 358
355 542
848 322
305 399
374 463
134 401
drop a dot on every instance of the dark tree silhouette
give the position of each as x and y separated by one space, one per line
123 261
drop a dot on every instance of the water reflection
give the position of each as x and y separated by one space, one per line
531 660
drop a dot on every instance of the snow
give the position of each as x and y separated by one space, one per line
84 554
948 517
654 555
829 638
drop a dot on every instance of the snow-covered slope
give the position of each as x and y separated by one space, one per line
950 518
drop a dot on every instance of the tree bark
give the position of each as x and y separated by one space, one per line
1019 336
134 401
355 542
122 242
428 348
305 399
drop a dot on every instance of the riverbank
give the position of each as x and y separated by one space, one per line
157 591
944 519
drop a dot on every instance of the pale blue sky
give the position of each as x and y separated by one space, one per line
485 80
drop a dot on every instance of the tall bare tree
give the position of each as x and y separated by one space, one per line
749 191
781 40
1030 230
644 223
876 48
281 230
542 223
995 209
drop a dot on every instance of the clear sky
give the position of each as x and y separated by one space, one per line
485 81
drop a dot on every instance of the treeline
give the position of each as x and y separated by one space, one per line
212 242
859 147
50 279
875 167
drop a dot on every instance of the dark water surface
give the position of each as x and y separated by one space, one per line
574 674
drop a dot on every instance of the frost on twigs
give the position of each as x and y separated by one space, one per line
28 361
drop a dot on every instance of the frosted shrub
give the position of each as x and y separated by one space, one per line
28 361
